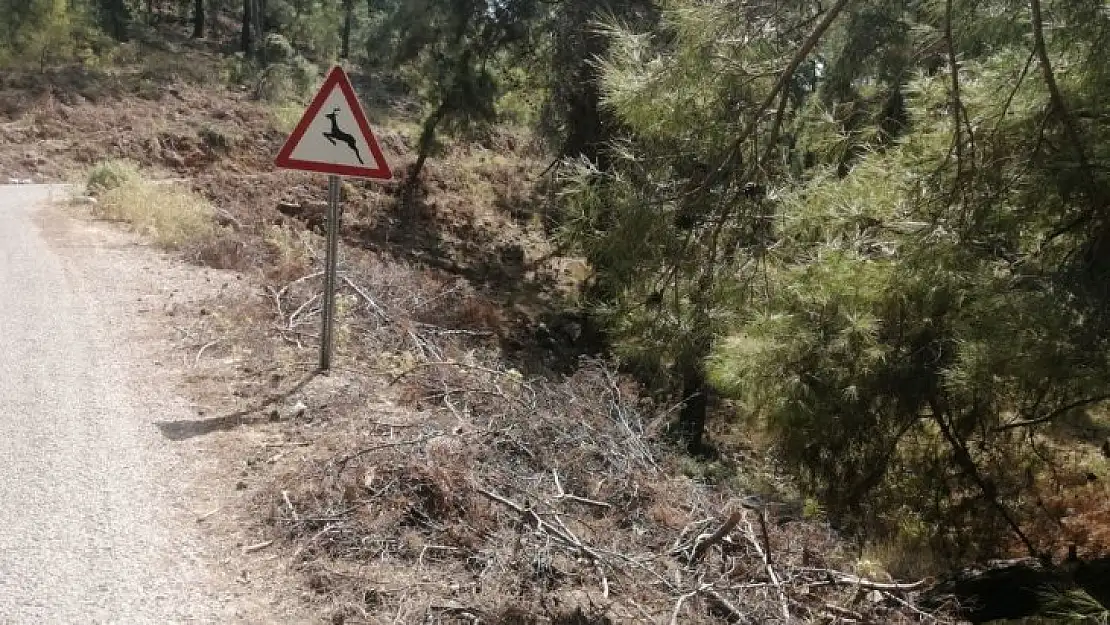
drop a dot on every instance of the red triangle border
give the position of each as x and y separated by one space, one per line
285 160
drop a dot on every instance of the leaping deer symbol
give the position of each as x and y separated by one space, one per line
338 135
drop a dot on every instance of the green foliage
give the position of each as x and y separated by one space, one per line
1076 607
311 27
675 224
922 281
108 175
457 55
277 74
572 118
172 217
47 31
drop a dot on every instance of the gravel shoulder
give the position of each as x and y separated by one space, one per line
105 520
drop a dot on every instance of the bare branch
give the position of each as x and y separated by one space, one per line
784 79
342 462
852 580
750 534
724 604
1054 414
1060 108
678 605
366 298
717 536
289 504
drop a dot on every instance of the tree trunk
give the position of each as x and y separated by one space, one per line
695 406
198 20
248 19
348 21
690 364
427 139
117 19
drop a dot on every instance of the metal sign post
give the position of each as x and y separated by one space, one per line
320 144
331 264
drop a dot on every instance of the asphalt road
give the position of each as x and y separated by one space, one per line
92 525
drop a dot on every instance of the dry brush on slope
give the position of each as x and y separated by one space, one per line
442 485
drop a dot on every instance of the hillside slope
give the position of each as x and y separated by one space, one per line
462 464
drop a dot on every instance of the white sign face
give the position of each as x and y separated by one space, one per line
333 136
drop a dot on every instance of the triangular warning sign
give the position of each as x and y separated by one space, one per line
333 136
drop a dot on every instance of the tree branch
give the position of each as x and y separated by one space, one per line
1061 109
1054 414
717 536
1050 81
967 465
784 79
957 105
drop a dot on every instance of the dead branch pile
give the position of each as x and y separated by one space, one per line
504 499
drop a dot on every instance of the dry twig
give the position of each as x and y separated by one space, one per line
369 300
289 503
342 462
561 494
257 547
750 534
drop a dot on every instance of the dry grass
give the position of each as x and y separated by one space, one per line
171 216
285 116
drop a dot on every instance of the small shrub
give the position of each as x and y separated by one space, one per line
289 255
904 556
238 69
279 75
109 175
282 82
812 509
1076 606
167 67
216 138
224 249
277 49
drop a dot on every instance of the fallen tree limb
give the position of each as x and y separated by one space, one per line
703 545
724 604
284 289
562 494
257 547
852 580
678 605
447 363
369 300
836 610
529 516
289 503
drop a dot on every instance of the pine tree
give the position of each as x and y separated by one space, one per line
883 223
677 226
935 301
